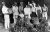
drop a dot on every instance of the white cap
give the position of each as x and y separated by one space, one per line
30 4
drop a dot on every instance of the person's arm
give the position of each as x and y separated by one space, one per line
41 10
47 9
10 11
36 10
19 10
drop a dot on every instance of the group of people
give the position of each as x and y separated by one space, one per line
30 11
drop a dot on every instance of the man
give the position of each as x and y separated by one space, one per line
6 15
27 12
21 7
34 10
21 10
34 18
39 12
15 12
45 10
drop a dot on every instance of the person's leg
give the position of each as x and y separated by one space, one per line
5 25
29 16
46 16
11 18
8 22
15 19
5 17
28 20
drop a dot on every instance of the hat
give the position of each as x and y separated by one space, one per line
30 4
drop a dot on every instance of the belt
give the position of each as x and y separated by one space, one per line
44 11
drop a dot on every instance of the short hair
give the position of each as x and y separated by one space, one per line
3 2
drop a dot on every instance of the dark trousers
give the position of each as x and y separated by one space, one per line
33 14
11 18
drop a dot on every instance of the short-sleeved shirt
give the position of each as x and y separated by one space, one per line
45 9
27 10
4 10
39 11
15 10
33 9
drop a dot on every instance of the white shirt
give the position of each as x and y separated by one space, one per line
33 9
15 10
38 8
45 9
4 10
44 14
27 10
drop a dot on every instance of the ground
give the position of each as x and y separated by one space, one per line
2 29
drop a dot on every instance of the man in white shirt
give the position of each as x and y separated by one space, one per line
45 10
33 14
33 9
6 16
38 11
15 12
27 11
